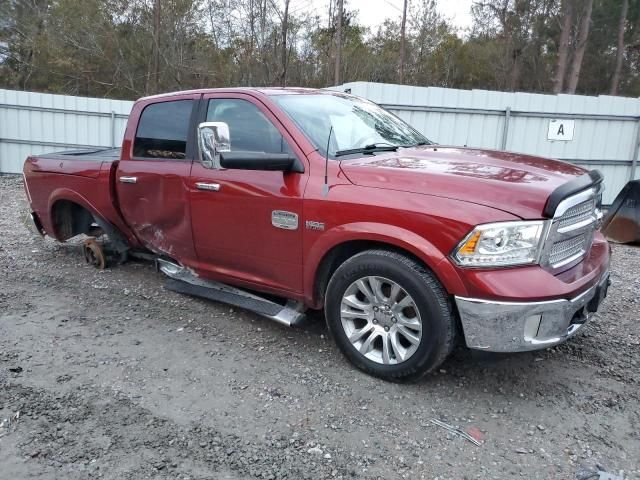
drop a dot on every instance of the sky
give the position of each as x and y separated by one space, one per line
458 11
374 12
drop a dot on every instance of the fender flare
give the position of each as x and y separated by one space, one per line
391 235
65 194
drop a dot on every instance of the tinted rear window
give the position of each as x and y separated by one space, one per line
163 130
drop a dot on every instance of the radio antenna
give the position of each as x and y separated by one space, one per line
325 188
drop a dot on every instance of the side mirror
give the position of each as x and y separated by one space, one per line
213 138
279 162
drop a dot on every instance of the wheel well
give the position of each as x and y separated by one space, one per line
340 253
71 219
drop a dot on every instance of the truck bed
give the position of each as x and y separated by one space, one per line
83 163
90 154
76 177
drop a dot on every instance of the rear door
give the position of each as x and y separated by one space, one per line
247 227
151 179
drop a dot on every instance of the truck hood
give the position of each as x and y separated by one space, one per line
515 183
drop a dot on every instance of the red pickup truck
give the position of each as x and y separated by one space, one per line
281 200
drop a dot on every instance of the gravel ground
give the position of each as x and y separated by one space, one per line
104 374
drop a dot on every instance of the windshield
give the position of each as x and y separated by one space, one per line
357 123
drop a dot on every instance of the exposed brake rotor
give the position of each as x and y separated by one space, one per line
94 253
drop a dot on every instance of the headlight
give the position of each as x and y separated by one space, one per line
502 244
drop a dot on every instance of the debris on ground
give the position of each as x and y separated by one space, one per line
596 474
455 430
476 433
6 423
315 451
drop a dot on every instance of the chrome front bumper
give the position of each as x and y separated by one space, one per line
517 327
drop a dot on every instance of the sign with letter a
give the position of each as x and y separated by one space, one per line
561 130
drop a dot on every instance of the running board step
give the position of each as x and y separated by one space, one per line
182 280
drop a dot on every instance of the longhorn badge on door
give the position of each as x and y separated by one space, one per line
285 220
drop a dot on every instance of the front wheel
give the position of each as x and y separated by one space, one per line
389 315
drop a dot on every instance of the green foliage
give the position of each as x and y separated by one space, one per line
111 48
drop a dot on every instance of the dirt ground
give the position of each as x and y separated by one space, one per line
104 374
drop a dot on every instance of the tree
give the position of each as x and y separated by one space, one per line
580 48
336 79
130 48
516 27
403 39
615 80
157 15
563 48
284 54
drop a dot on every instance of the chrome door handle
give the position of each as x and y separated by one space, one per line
128 179
211 187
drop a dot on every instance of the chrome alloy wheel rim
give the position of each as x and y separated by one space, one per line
381 320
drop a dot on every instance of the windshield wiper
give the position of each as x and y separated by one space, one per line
367 149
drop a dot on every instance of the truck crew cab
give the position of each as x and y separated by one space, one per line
280 200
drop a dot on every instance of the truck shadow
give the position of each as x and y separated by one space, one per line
518 373
463 362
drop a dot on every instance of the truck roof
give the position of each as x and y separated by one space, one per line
261 90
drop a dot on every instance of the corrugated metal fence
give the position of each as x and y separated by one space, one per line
32 123
606 129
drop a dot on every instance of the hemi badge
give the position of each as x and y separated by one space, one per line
311 225
285 220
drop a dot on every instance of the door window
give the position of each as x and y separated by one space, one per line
163 130
249 129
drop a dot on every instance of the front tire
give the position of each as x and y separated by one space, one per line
389 315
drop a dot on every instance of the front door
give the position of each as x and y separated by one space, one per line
246 223
152 177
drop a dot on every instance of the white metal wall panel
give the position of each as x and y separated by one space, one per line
606 139
32 123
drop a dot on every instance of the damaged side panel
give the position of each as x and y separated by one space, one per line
156 206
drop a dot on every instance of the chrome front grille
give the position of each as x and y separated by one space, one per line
572 229
577 214
568 249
